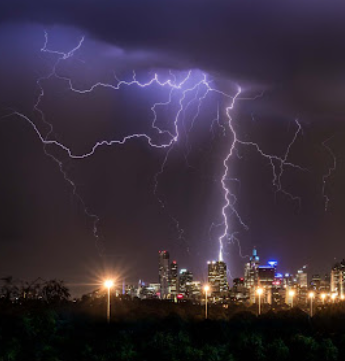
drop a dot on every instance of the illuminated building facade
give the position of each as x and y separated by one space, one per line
174 284
185 279
251 275
217 278
302 286
266 278
338 278
164 273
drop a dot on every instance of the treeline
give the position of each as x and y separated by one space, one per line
149 331
51 291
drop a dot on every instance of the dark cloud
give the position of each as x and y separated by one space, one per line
296 41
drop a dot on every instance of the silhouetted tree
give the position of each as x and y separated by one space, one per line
55 291
9 290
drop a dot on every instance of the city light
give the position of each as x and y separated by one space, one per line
334 295
291 294
109 283
311 294
206 288
323 296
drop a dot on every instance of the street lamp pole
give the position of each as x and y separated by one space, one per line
311 295
108 284
206 289
292 294
259 292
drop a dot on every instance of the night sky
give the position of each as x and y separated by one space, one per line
289 60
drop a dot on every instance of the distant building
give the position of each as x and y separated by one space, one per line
217 278
239 291
315 283
164 273
325 285
251 275
186 278
338 278
302 286
174 281
266 278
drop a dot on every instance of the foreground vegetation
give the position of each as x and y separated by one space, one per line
154 330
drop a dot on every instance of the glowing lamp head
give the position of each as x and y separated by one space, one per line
333 296
259 291
291 293
109 283
311 294
323 296
206 288
342 297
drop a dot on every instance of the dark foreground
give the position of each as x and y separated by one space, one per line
157 331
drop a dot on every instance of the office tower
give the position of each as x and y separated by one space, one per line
315 283
325 285
266 275
164 274
251 275
239 291
338 278
174 284
217 278
185 279
302 286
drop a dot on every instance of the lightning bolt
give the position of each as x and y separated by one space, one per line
331 169
164 139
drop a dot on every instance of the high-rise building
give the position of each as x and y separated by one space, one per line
185 279
302 285
315 283
338 278
325 286
251 275
164 273
217 277
239 292
266 278
174 281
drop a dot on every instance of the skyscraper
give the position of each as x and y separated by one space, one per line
251 275
217 278
174 284
338 278
186 278
164 273
302 285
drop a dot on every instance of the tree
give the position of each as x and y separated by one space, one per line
55 291
328 351
9 290
277 350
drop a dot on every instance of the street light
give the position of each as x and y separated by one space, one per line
311 296
259 291
323 296
342 297
206 289
334 295
291 294
108 284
